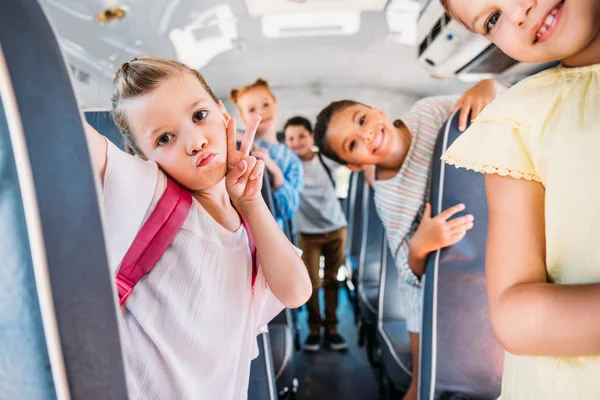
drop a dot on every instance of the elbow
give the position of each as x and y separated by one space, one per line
300 291
516 335
507 339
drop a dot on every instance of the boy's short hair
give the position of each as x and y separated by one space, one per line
298 121
322 125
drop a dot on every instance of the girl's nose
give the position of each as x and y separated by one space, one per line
196 142
368 136
521 11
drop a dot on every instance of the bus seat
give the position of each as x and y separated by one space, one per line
354 238
23 369
281 332
50 227
353 212
103 122
262 372
369 271
392 333
459 351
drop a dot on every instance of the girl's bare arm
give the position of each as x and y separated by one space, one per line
98 147
531 316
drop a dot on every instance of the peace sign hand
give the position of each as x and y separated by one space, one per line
244 172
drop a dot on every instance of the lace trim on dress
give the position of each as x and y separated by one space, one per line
491 169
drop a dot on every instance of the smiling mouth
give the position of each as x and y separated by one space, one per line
378 141
548 24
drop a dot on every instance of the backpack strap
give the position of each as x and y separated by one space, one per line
252 247
156 235
326 169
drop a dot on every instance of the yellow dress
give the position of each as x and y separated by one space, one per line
547 128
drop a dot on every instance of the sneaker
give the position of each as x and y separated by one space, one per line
312 343
336 341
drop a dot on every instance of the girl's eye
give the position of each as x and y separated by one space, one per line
362 119
164 139
200 115
252 110
266 105
491 22
352 145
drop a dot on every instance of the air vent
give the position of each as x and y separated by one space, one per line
258 8
491 61
311 24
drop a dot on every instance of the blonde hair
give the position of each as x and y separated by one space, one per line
141 76
236 94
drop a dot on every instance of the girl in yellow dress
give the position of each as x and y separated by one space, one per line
539 146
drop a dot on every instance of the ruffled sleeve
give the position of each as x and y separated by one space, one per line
501 140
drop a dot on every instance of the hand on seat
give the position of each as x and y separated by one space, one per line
437 232
476 99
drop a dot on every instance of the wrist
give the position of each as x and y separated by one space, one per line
248 209
416 250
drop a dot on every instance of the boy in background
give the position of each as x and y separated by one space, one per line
322 226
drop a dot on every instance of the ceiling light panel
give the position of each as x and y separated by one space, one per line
211 33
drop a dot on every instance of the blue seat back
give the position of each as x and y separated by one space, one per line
369 264
392 330
353 213
459 352
63 243
103 122
389 288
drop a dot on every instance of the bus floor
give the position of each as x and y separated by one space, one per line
331 375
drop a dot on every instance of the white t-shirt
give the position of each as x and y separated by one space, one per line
188 330
320 210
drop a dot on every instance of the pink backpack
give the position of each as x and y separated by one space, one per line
156 235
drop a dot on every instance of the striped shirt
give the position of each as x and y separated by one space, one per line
287 197
400 201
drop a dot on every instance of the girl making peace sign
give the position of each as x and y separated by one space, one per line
189 327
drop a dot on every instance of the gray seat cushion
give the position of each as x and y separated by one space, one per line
283 354
368 299
396 355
